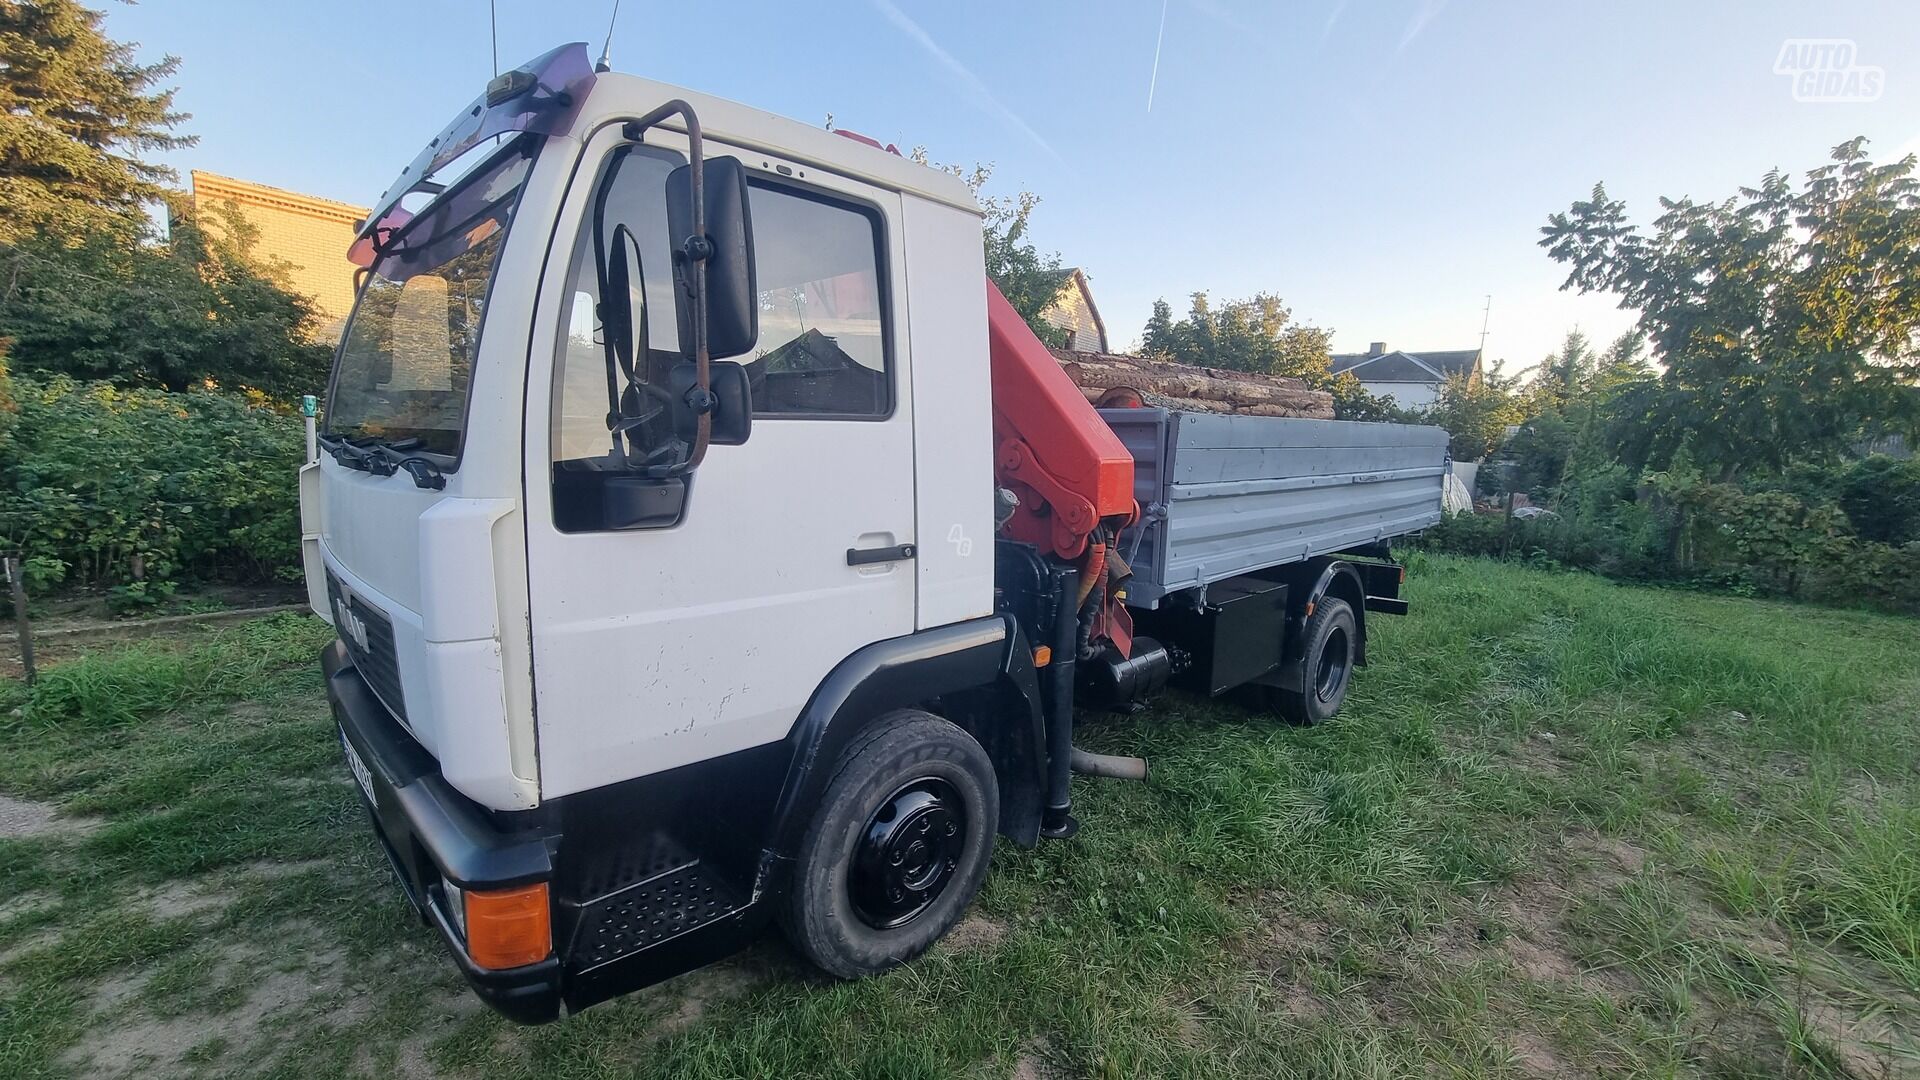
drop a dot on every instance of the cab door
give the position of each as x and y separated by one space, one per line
662 646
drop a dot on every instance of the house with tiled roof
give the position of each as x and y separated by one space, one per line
1411 380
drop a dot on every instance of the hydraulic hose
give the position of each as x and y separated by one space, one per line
1094 573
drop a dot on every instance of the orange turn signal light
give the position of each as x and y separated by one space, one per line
509 928
1042 656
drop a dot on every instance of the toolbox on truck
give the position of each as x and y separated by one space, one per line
1222 495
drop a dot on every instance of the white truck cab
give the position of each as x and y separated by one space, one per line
641 648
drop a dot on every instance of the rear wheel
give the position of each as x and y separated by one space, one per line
1330 643
897 848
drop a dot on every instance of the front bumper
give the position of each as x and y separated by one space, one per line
430 831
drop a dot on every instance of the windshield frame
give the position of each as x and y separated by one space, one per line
525 144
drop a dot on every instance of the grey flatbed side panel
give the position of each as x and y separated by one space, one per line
1226 495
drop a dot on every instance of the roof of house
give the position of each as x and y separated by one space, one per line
206 185
1400 365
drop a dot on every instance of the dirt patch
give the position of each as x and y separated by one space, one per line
1286 954
274 871
1032 1062
177 900
28 944
1028 1068
22 818
1863 1045
975 932
1534 1056
1617 859
1536 754
1540 963
698 990
1300 1000
125 1039
22 904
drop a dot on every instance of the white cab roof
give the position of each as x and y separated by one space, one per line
616 96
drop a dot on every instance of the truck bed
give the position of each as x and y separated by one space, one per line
1223 495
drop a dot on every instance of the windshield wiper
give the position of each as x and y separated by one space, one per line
425 473
381 457
354 456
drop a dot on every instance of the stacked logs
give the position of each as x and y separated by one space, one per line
1111 380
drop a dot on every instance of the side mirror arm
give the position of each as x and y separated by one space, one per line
696 154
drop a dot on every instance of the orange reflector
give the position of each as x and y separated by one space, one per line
1042 656
1309 609
509 928
1403 575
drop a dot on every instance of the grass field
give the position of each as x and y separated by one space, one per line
1563 827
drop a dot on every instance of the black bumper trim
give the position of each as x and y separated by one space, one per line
429 830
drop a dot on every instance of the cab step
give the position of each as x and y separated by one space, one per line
651 913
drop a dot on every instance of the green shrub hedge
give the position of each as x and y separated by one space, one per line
137 489
1759 543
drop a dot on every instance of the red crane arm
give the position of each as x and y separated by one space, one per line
1051 448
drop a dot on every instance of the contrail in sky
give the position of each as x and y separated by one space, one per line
961 74
1154 79
1421 17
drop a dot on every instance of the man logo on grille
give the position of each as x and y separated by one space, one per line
351 626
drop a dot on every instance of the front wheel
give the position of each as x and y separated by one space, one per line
897 848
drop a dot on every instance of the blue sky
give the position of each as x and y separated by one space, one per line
1382 166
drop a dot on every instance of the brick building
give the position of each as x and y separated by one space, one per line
310 235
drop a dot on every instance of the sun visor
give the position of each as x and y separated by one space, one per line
542 95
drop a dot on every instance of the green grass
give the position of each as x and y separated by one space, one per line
1562 826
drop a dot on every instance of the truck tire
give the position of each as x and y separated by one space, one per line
1330 642
897 847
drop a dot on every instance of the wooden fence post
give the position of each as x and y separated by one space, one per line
20 624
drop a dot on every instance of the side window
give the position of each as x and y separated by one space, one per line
823 345
634 185
822 350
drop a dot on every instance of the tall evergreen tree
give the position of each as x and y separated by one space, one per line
76 111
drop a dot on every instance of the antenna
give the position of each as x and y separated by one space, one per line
493 22
606 49
1486 317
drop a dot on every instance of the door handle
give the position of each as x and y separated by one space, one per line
869 556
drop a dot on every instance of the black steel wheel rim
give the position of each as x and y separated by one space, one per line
908 854
1331 673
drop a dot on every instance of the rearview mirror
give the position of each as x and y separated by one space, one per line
733 299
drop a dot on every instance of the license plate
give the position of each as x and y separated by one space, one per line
358 768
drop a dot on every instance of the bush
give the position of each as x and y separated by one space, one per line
1682 529
104 486
1881 497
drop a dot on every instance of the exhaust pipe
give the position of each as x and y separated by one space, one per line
1111 766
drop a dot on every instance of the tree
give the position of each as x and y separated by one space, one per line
1563 374
174 313
1258 334
76 109
1476 413
1786 317
1028 279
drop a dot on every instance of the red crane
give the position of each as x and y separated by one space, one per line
1070 472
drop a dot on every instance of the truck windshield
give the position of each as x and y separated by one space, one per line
404 365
